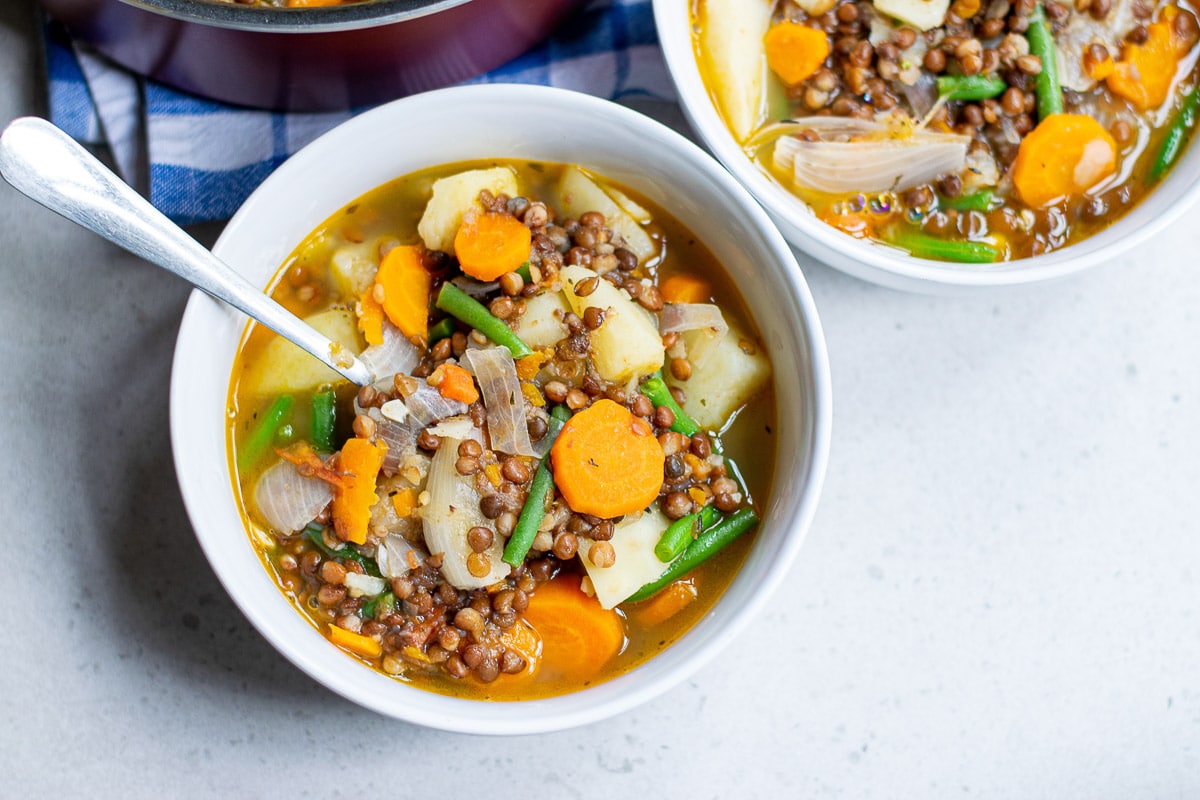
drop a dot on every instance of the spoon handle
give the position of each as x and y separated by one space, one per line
44 163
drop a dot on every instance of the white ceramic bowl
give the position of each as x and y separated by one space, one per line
510 122
885 265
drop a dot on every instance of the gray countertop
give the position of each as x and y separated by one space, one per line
998 598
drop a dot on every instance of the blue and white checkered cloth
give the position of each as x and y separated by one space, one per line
198 160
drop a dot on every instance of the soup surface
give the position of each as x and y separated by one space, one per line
962 130
571 431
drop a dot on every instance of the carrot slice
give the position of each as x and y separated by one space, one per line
529 366
370 317
405 502
454 383
406 287
355 642
667 603
857 225
1145 72
578 636
607 462
354 495
1064 156
795 51
684 287
489 245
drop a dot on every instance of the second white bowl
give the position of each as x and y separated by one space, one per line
887 265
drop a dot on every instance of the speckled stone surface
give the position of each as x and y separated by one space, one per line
999 598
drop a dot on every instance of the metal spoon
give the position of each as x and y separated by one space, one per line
50 167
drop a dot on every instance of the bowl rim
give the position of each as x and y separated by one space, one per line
887 265
619 694
321 19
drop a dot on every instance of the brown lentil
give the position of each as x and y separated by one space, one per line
593 316
642 406
505 524
602 554
329 595
681 369
515 470
566 544
676 505
480 538
333 573
576 399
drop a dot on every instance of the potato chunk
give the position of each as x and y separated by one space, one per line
579 194
921 14
540 325
734 372
456 194
633 542
731 33
627 344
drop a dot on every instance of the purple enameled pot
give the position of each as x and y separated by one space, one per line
322 58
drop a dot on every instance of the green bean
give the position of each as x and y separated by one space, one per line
315 534
656 389
703 548
524 272
1172 145
925 246
1041 44
970 87
457 303
683 531
534 510
976 201
444 329
323 416
256 444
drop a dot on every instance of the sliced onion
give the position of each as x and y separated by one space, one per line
427 406
396 354
921 94
856 155
287 500
543 444
679 317
400 438
701 325
453 509
392 556
1008 130
364 585
982 172
496 373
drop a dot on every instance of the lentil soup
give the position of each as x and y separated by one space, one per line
972 131
574 413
